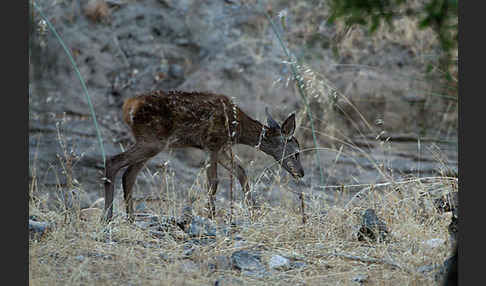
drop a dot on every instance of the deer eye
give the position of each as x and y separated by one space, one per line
295 156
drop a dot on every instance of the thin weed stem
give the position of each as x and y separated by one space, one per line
302 92
80 77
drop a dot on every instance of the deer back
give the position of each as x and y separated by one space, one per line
182 119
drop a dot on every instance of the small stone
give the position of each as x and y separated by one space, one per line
141 207
361 278
425 268
434 242
245 260
278 262
249 264
188 250
176 70
164 256
79 258
38 229
201 227
372 227
297 264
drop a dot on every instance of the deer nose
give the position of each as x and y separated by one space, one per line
295 171
298 172
301 173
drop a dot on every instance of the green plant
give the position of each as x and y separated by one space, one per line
439 15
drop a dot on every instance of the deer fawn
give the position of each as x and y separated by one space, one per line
211 122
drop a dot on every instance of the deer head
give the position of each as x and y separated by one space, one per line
280 143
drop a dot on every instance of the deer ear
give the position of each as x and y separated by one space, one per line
288 127
270 121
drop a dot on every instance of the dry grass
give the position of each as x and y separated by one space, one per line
82 252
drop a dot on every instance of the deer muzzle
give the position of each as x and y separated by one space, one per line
296 172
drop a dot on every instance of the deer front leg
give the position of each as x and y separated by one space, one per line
128 180
212 176
136 154
225 160
113 165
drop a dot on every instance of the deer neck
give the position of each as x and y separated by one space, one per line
251 132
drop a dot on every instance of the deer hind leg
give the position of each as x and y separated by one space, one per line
212 176
128 180
136 154
224 160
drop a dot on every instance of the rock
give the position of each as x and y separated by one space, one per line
176 71
186 217
447 273
372 227
33 217
141 207
278 262
434 242
361 278
79 258
189 249
426 268
38 229
248 262
201 227
297 264
160 227
241 243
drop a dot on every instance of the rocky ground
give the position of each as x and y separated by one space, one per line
401 240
